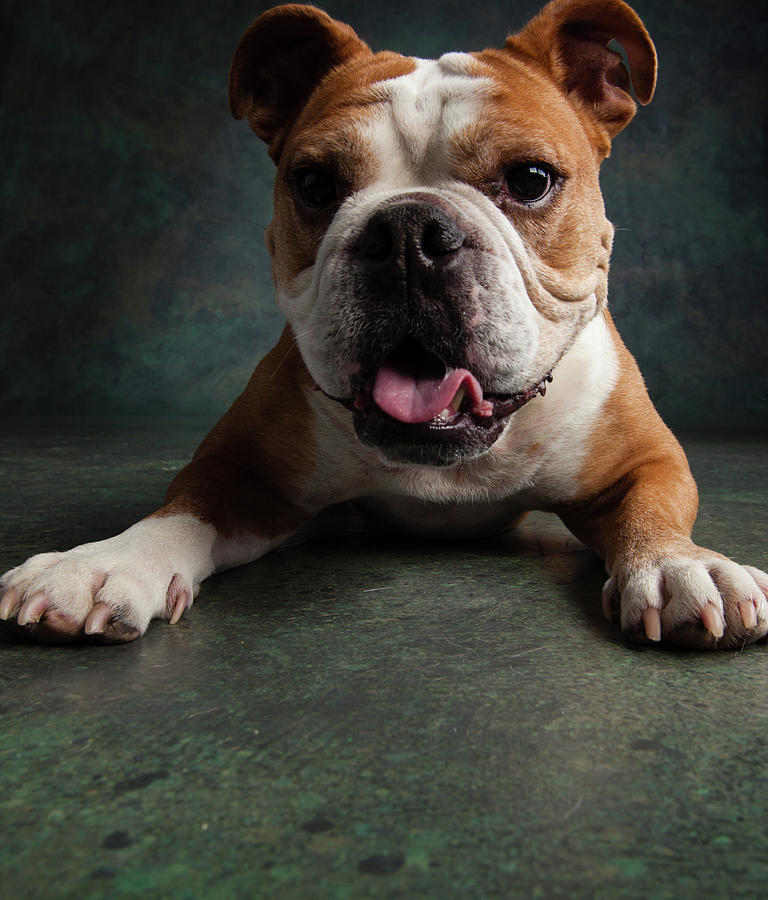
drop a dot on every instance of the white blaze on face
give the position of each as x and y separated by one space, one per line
426 109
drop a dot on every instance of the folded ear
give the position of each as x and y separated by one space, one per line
571 38
279 61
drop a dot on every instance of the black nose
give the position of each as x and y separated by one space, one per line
409 232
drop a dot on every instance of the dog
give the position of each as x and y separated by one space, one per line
440 251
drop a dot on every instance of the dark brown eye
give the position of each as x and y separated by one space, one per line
316 189
530 182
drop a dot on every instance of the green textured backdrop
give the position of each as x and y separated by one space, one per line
134 274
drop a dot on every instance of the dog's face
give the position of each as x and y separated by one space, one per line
439 237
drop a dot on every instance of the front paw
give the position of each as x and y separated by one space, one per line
108 591
696 598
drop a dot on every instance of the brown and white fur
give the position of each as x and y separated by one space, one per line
402 238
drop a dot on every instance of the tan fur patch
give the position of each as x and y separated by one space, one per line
527 118
242 477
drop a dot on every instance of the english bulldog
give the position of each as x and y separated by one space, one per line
440 250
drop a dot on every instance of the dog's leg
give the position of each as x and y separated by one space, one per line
665 587
235 500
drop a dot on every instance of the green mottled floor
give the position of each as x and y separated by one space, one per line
350 720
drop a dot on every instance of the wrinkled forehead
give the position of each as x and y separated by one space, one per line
431 105
423 114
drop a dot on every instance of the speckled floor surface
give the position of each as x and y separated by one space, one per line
348 720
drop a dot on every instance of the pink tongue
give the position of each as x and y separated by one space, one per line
413 399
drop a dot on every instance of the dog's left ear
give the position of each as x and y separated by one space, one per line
571 38
279 61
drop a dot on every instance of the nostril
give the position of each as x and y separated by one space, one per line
376 242
440 237
414 231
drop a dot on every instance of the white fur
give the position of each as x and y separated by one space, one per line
680 585
130 573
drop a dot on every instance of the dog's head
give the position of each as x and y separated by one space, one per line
439 237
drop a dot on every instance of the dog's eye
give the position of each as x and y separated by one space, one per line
530 182
315 188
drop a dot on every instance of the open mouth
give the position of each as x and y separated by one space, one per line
415 409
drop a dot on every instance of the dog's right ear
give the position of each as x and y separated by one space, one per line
279 61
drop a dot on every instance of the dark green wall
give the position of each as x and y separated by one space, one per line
133 269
